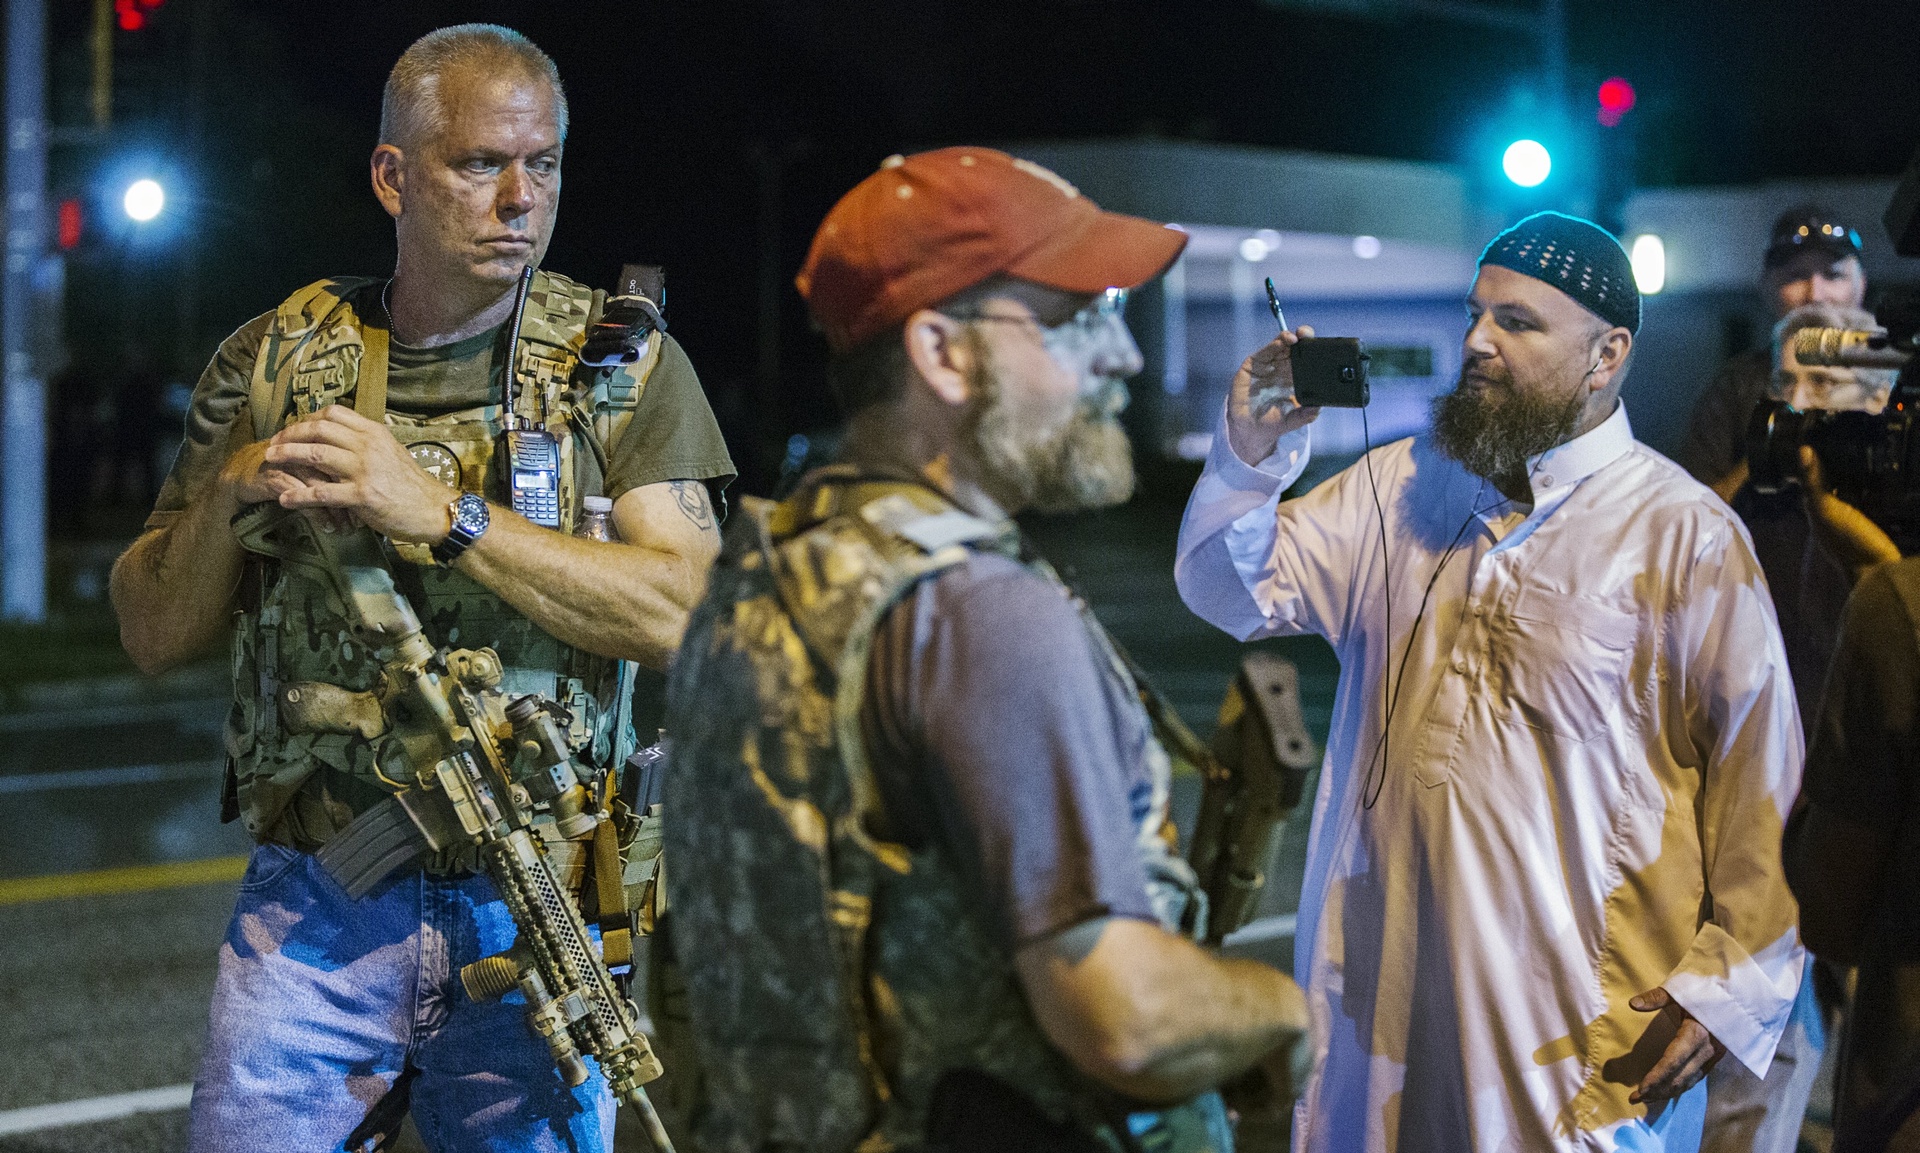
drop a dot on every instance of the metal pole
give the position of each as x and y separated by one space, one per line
1553 54
23 405
1547 25
187 349
101 46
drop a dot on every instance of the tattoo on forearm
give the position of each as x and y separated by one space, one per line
691 495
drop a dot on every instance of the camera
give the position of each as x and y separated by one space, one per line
1872 460
1330 371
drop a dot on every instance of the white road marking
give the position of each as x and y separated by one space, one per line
92 1109
124 775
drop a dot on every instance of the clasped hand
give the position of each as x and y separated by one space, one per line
339 461
1260 406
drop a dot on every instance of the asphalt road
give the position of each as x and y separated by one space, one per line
105 993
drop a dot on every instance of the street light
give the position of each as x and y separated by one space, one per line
144 200
1526 163
1649 257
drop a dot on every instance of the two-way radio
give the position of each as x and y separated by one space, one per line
529 454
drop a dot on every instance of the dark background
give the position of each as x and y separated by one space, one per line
712 136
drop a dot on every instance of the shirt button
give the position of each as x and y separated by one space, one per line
1460 666
1546 481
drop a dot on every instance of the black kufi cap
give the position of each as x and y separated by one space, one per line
1576 256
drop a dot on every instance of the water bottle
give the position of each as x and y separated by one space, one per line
596 519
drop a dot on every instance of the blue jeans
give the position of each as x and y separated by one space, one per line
323 1005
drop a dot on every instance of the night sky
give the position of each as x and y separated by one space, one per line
692 121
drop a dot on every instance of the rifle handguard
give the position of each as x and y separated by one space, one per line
1254 773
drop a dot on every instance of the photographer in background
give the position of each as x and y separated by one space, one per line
1812 546
1810 259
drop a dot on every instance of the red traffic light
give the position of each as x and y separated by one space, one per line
1616 100
70 224
132 14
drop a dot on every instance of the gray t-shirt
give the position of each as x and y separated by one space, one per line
998 725
672 435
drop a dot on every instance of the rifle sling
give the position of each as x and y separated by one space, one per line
370 394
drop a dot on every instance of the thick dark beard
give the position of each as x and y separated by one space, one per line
1492 430
1087 463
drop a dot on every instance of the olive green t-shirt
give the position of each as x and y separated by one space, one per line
672 435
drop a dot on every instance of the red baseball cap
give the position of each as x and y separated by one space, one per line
929 225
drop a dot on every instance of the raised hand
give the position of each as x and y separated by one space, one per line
1260 406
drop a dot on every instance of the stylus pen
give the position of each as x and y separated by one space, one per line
1273 302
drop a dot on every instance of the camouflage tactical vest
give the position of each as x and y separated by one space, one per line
836 976
307 748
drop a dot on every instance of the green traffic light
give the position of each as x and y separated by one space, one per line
1527 163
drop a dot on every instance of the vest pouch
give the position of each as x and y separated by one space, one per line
460 612
456 449
285 775
243 715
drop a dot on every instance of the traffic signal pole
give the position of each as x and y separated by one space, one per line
23 346
1547 24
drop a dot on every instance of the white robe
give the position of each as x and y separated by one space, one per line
1580 799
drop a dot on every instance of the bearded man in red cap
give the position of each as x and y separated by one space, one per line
921 891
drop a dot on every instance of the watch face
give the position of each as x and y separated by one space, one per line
470 513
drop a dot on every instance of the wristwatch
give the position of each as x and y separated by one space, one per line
470 518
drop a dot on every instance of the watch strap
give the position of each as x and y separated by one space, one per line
459 537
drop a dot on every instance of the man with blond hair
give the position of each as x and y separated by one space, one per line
377 404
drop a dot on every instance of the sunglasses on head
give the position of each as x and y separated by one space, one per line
1818 232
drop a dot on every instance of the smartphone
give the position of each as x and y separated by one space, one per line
1328 371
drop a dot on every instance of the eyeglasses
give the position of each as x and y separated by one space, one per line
1076 336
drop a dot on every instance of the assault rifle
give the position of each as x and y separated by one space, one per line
1252 776
481 767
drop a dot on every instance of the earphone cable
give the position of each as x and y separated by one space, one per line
1369 788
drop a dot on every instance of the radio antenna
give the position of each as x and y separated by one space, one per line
510 384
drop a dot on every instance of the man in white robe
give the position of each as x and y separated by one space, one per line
1543 892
